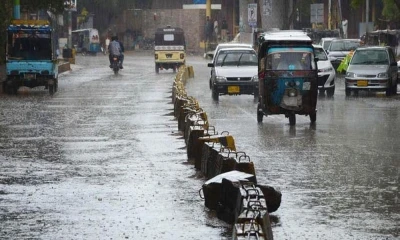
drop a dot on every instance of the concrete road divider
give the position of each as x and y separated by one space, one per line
211 189
232 190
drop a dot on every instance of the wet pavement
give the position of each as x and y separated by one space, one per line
102 159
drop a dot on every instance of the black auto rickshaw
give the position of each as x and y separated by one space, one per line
169 48
288 75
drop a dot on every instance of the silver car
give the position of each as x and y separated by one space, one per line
372 69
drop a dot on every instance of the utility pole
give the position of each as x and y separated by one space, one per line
17 9
366 15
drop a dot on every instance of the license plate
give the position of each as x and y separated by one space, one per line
362 83
233 89
30 76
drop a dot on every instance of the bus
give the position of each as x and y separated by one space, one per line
86 41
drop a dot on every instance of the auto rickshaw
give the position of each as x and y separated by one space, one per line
288 75
31 56
169 48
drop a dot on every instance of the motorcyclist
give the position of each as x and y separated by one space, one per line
116 48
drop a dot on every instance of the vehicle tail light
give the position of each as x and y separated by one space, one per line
182 56
156 56
115 59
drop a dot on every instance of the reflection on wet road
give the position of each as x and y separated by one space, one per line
102 159
339 178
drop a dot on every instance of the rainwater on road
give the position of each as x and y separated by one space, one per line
103 159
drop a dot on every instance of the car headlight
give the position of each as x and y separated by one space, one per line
329 69
220 79
254 78
350 75
383 75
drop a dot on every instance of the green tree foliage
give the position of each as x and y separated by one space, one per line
390 10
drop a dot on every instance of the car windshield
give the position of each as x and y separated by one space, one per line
237 58
326 44
370 57
343 45
320 54
290 59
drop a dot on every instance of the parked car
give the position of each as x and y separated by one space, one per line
325 42
326 72
372 69
234 72
226 45
339 48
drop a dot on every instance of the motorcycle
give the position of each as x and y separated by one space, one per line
115 63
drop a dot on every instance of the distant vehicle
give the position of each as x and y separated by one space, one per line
86 41
31 59
234 72
325 42
372 69
169 48
326 72
339 48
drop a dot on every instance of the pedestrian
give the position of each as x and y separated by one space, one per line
107 44
208 29
224 30
216 32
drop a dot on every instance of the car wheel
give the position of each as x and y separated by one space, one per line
292 119
348 92
330 92
215 95
210 85
389 91
394 92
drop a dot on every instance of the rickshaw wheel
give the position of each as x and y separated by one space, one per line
313 117
260 116
51 89
292 119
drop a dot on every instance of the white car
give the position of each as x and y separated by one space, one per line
326 72
226 45
234 72
211 54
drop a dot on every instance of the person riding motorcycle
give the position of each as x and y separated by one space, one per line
116 48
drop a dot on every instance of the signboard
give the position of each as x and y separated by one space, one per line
252 14
267 7
317 13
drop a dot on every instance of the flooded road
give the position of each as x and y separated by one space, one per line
103 159
339 179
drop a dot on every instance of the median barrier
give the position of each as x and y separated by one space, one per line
232 190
